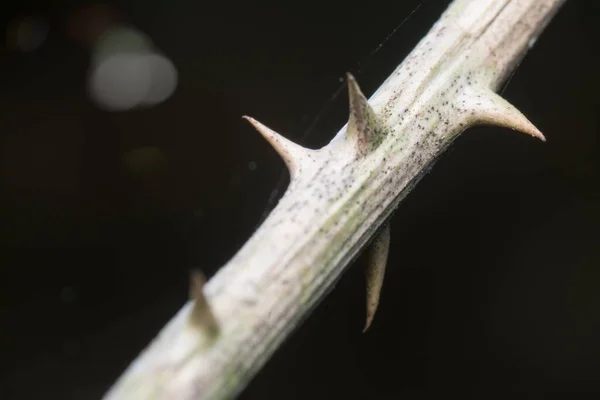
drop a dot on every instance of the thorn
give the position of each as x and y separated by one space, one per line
377 260
490 108
363 127
202 315
291 153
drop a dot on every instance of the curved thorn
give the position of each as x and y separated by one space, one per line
490 108
363 127
378 254
202 315
291 153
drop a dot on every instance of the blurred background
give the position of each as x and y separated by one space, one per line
124 162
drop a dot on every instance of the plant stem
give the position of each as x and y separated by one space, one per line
337 199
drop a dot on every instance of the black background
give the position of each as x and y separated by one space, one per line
493 283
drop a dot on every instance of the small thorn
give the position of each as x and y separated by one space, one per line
363 127
202 315
490 108
291 153
377 260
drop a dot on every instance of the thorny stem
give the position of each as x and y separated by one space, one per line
338 197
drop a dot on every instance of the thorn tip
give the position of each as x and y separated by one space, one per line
377 260
363 126
491 108
291 153
202 315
